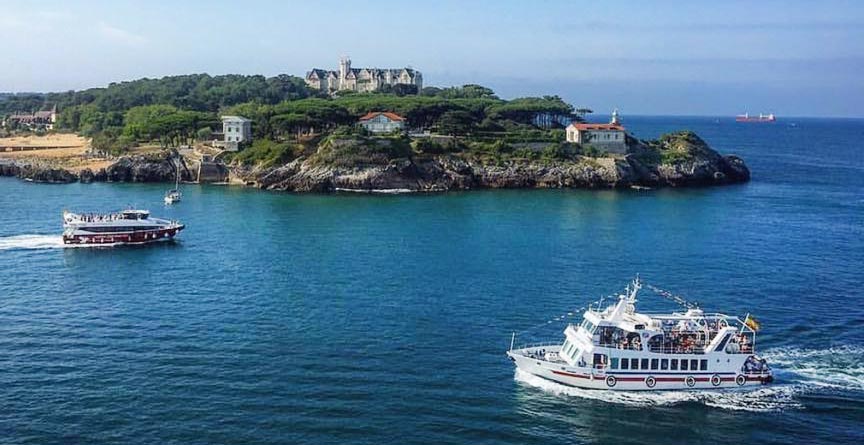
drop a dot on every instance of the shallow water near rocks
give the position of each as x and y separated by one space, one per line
282 318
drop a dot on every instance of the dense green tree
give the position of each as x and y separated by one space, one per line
457 123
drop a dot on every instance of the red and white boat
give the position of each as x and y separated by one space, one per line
126 227
617 348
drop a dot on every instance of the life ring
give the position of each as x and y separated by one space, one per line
740 380
650 382
716 380
690 381
611 381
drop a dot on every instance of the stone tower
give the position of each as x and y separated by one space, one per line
344 69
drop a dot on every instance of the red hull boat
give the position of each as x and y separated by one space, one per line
126 227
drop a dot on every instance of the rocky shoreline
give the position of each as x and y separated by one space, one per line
693 164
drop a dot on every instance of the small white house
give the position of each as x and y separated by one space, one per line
611 137
236 130
382 122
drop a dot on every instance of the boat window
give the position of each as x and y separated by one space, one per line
588 326
600 360
694 365
722 343
684 364
655 363
634 363
613 337
655 344
674 365
614 363
664 364
703 365
565 346
625 363
644 363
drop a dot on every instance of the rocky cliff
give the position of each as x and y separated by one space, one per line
681 159
675 160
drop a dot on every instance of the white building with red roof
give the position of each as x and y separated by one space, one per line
611 137
382 122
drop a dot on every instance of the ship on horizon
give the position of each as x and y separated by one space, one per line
746 117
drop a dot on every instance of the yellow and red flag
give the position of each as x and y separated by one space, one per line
752 323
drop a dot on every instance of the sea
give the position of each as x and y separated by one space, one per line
361 319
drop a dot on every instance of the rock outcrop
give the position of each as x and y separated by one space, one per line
675 160
681 159
51 175
153 168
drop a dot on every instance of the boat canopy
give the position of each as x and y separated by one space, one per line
135 214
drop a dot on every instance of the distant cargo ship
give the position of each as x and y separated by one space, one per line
761 118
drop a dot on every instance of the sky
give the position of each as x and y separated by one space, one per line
792 58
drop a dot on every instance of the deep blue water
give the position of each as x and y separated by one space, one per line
281 318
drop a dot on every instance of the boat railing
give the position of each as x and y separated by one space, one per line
539 345
677 350
627 346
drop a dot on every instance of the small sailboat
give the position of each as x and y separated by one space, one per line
174 195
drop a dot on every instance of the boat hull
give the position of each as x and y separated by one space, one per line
136 237
589 378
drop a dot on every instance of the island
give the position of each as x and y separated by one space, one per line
280 133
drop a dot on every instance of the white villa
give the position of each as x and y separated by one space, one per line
236 130
361 79
382 122
33 121
611 137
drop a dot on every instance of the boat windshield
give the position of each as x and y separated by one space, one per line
134 214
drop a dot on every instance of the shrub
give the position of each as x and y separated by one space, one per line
267 153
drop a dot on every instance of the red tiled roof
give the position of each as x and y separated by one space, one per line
387 114
583 127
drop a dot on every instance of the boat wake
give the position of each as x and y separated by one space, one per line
836 368
27 242
797 371
40 242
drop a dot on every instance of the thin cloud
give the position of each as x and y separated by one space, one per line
595 25
120 36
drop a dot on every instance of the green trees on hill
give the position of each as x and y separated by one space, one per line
177 110
165 123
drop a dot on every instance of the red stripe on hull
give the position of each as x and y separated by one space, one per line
578 376
140 237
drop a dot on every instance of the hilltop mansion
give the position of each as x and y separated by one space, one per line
361 79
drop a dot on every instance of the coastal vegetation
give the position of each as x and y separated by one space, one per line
179 110
303 140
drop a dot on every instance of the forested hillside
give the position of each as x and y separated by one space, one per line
180 109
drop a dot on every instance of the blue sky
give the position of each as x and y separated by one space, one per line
665 57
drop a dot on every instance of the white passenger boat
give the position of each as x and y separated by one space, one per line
126 227
617 348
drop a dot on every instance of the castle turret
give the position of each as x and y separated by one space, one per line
344 68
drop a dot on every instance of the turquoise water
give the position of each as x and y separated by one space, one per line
280 318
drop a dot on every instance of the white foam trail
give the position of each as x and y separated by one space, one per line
31 242
836 367
775 397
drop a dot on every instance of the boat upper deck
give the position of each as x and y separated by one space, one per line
619 326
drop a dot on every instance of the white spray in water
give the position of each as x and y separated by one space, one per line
31 242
